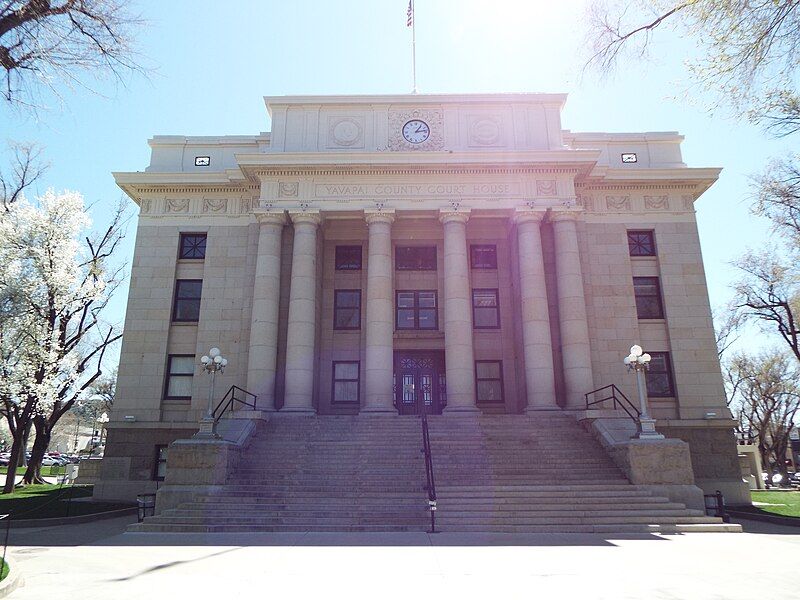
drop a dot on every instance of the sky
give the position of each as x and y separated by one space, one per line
210 64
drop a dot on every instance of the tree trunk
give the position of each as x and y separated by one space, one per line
22 461
33 474
11 475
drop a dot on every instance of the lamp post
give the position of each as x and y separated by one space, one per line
212 363
639 361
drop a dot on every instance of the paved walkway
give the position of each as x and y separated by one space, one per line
98 560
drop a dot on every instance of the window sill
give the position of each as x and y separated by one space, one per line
653 320
184 323
418 333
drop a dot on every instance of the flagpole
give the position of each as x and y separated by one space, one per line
413 47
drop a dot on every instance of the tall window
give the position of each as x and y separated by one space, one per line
416 310
346 382
415 258
160 466
186 306
483 256
193 245
485 309
489 381
648 298
348 258
659 376
347 309
180 371
641 243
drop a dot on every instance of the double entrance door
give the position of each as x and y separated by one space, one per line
419 382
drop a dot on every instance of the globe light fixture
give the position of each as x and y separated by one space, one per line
212 363
639 361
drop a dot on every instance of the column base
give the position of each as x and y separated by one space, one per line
647 430
208 430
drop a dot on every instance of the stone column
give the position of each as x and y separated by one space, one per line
458 352
537 345
380 316
301 328
264 321
572 310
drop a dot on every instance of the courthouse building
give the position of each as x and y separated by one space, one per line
457 254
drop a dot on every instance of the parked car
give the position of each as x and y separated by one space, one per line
49 461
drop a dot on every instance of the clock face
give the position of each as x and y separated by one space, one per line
416 131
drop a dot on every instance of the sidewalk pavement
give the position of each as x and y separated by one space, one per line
98 560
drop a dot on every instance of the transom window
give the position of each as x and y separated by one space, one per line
659 376
180 371
415 258
641 243
160 467
193 245
483 256
485 309
347 309
186 306
416 310
348 258
489 381
345 382
648 298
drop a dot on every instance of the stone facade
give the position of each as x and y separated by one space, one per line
496 171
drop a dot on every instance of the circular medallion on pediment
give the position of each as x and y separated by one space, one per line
347 132
485 132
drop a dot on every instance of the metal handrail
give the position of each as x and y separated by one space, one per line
430 483
618 397
230 398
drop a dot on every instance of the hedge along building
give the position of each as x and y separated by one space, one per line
381 254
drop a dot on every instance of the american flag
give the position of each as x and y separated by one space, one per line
410 13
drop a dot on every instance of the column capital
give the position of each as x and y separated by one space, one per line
564 215
375 216
453 216
270 217
311 217
524 215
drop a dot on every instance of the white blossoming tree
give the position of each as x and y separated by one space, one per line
55 281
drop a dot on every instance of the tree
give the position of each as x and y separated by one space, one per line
54 288
51 43
748 51
768 399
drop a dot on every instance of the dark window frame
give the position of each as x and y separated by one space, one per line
170 375
500 379
159 461
473 262
334 382
633 243
337 308
176 299
416 267
496 308
416 308
670 376
187 234
652 281
340 266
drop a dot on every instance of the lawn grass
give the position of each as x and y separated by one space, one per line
50 501
50 471
786 504
5 569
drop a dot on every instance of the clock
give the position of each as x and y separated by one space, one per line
416 131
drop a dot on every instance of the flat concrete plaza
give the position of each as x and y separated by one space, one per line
98 560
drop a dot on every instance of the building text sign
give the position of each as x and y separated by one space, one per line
427 190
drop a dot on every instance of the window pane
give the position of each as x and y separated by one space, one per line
189 288
658 384
489 391
641 243
486 317
348 299
483 256
348 258
345 391
484 298
417 258
179 386
405 299
648 307
405 318
427 318
181 365
658 363
345 370
193 245
347 318
487 370
427 299
187 310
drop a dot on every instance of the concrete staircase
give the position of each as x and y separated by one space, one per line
505 473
